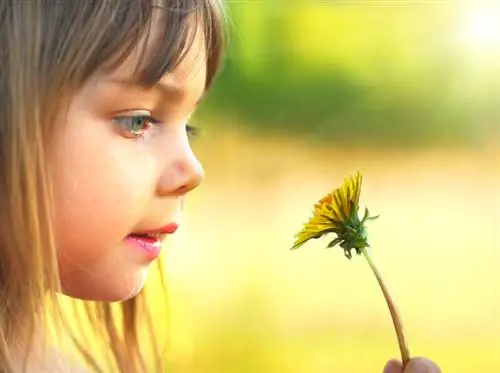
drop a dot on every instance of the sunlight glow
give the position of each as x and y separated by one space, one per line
482 29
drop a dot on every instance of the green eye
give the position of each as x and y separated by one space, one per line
136 125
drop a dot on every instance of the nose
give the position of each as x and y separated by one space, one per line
183 174
192 173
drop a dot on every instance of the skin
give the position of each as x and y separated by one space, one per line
109 184
416 365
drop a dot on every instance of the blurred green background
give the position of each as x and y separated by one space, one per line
407 92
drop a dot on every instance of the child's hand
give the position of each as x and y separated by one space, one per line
416 365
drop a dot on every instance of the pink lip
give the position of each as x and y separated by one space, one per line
150 245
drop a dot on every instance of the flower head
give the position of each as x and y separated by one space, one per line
337 212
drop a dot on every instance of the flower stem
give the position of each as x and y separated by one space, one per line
398 326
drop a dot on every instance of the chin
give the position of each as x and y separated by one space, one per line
117 289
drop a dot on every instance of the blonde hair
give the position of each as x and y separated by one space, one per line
48 50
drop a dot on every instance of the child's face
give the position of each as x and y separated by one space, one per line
113 178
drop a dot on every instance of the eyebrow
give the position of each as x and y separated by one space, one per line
168 90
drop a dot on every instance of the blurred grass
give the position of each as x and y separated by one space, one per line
241 302
380 73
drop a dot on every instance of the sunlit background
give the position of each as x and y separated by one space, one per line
407 92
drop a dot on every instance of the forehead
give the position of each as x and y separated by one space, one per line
191 72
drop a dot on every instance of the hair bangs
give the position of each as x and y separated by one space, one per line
181 22
167 31
162 30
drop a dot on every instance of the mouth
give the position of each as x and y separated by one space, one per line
150 242
157 234
147 244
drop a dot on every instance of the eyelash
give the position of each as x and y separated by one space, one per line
150 121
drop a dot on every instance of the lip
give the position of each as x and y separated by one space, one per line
149 245
170 228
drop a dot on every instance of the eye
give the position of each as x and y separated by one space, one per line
136 125
192 131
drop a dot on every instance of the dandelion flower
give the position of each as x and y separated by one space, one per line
337 213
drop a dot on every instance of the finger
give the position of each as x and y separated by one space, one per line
393 366
421 365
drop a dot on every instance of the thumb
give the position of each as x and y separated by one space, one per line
393 366
421 365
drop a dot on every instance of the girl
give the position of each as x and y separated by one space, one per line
95 164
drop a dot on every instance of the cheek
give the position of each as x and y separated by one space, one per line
102 188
